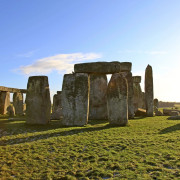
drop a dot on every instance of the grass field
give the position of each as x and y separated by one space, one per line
148 148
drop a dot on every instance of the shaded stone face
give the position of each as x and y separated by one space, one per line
129 78
18 103
11 110
138 94
125 66
98 97
137 79
156 103
4 101
38 104
117 95
98 67
75 99
149 94
57 98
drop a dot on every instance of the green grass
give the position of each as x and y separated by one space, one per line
148 148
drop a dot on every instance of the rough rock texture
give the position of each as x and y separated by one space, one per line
138 94
98 67
4 101
98 97
75 99
57 98
140 112
117 95
18 103
174 113
38 104
103 67
11 110
174 118
125 66
168 112
156 103
129 78
149 93
57 114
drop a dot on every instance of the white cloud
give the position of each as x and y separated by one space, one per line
63 63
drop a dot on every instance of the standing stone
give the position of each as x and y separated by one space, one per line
11 110
18 103
38 104
156 103
75 99
4 101
138 94
149 91
57 106
129 78
98 97
117 95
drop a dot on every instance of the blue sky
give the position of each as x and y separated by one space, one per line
46 37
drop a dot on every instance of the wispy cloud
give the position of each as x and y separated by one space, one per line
63 63
144 52
27 54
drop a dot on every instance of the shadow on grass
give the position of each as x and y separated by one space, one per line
66 132
170 129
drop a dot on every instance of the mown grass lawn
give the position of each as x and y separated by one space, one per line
148 148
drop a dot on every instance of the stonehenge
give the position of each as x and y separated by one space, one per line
38 104
86 95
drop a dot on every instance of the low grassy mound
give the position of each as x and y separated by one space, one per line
148 148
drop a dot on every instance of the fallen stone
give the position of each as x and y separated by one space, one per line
140 112
98 97
168 112
38 104
174 118
75 99
117 95
174 113
149 93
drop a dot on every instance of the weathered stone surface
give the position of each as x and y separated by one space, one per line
98 97
57 114
11 110
38 104
4 102
140 112
125 66
57 98
149 93
129 78
12 90
174 113
174 118
117 95
138 94
98 67
137 79
158 113
18 103
156 103
168 112
75 99
103 67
